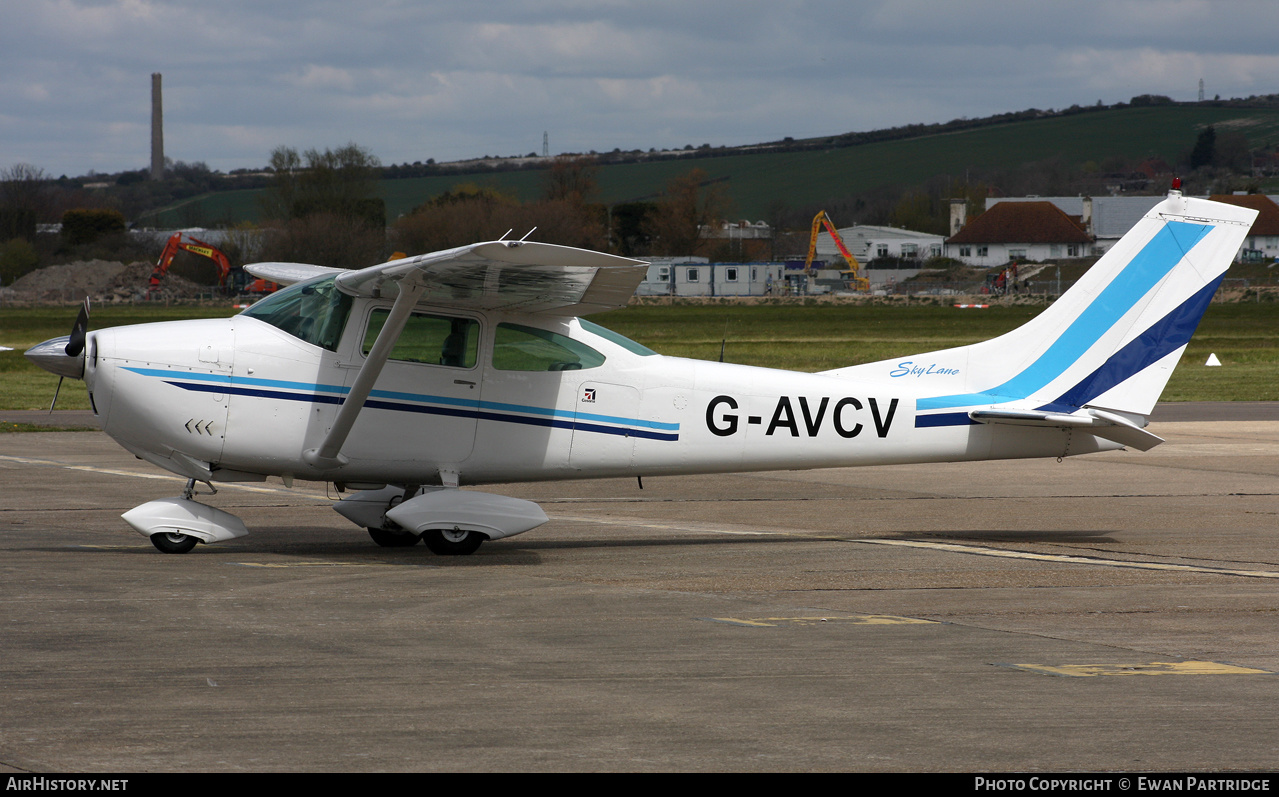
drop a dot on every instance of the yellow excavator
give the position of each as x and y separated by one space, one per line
854 273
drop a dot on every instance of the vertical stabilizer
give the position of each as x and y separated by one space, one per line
1112 340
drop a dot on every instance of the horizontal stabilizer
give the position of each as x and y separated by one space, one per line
1107 425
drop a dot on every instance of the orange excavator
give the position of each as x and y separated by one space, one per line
854 272
181 242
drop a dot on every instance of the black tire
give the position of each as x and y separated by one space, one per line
393 539
173 542
453 542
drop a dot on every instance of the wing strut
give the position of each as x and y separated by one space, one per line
327 456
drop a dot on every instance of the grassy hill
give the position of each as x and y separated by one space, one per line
756 179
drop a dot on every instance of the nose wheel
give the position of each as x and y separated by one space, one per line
173 542
175 525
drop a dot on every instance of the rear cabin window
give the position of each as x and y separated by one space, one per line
314 311
430 339
521 348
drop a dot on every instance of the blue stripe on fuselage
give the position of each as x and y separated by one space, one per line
400 402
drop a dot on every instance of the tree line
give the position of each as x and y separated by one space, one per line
323 205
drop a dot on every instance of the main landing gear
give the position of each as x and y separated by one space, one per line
393 539
450 521
444 542
452 542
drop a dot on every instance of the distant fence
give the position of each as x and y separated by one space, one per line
1230 289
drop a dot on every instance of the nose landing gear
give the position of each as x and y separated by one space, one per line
175 525
173 541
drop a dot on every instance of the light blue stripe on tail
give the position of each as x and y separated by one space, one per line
1145 271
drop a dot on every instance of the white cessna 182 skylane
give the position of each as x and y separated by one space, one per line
411 378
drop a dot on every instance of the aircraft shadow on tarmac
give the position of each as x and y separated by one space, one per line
354 548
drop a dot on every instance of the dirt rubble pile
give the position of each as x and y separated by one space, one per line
103 281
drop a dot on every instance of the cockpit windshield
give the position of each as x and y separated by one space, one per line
314 311
620 340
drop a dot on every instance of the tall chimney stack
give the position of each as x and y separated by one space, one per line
157 130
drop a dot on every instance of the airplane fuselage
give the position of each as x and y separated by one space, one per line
238 398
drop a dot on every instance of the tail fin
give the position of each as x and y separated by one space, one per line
1112 340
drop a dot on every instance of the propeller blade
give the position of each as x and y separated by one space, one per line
81 328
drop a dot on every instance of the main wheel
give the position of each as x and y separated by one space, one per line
173 542
393 539
452 542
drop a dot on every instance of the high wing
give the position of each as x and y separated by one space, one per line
517 276
289 273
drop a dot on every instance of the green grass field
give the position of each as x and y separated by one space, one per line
25 387
1245 337
756 180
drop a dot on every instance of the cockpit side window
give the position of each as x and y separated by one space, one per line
431 339
314 311
521 348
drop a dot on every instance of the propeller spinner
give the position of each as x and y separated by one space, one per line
64 356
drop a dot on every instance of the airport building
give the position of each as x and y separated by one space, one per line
1104 218
696 276
867 242
1017 232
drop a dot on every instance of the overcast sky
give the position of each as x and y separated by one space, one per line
454 80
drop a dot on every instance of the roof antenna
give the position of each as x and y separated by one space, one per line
527 234
508 232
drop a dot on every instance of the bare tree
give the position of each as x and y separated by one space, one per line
466 217
326 239
676 223
25 188
325 207
571 179
277 200
340 182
